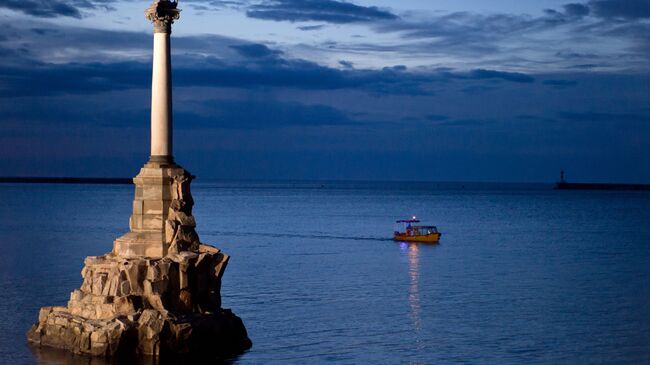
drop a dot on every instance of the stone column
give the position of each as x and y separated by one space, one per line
162 14
162 196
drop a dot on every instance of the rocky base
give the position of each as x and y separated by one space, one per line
146 307
148 332
157 292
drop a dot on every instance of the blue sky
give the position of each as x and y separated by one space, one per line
327 89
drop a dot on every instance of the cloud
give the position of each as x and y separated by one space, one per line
53 8
311 27
331 11
481 74
584 66
572 55
531 43
42 8
576 9
47 79
98 61
263 69
457 25
561 83
253 114
626 9
468 37
202 5
199 110
255 50
346 64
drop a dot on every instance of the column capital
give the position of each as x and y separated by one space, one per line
162 14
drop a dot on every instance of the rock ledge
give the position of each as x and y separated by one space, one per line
147 307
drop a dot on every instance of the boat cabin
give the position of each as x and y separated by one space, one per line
411 230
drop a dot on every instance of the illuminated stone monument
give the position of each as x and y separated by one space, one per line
158 291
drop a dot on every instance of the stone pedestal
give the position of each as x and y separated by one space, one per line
157 292
162 214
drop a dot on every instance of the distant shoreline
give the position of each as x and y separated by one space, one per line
67 180
341 184
600 186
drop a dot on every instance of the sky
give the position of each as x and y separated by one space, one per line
414 90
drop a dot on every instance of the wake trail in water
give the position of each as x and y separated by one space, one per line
290 235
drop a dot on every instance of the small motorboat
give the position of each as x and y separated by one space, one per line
410 231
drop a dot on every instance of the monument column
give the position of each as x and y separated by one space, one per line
158 292
162 219
162 14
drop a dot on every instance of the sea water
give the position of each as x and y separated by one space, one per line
523 273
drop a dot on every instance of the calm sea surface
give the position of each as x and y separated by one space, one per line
523 274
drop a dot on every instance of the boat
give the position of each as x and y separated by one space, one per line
410 231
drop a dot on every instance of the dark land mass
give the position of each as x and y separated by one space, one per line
66 180
597 186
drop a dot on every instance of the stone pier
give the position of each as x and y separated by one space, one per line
158 291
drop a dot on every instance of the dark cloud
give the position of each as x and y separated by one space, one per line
217 113
311 27
481 74
206 61
48 79
627 9
584 66
561 83
255 50
346 64
636 32
576 9
571 55
570 12
54 8
331 11
398 68
39 113
252 114
42 8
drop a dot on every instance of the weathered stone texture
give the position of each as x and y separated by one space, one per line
157 291
162 220
144 305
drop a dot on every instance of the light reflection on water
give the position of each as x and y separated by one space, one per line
414 296
412 252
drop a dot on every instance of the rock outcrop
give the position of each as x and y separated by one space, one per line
157 292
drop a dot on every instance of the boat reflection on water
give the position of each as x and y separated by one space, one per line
412 252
